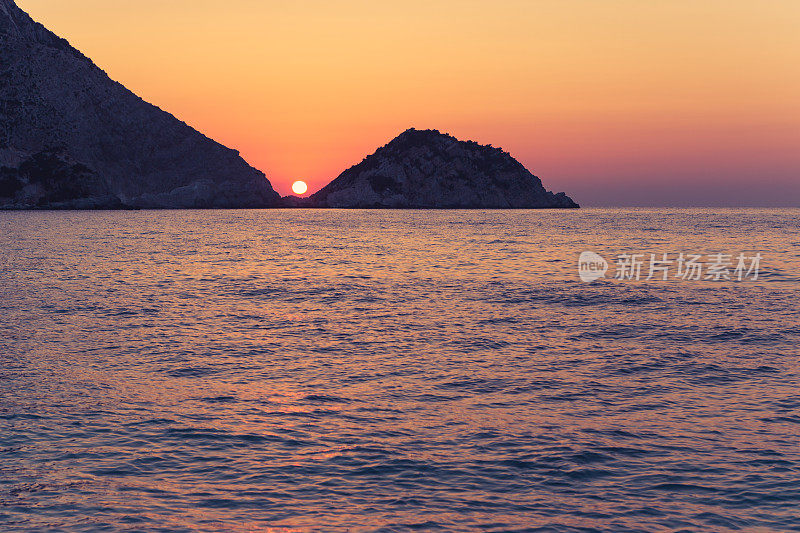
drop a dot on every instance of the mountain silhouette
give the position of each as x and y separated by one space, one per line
70 137
429 169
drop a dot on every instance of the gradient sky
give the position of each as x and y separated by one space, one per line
616 102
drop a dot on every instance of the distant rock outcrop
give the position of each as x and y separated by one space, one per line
428 169
70 137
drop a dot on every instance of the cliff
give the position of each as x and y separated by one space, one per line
70 137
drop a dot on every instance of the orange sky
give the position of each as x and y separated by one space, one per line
617 102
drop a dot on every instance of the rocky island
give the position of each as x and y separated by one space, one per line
70 137
426 169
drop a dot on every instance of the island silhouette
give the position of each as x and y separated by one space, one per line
426 169
72 138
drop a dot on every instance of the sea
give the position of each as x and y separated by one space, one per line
397 371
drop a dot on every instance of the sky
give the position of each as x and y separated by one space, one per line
616 102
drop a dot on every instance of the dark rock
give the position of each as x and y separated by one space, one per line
50 179
428 169
72 137
296 201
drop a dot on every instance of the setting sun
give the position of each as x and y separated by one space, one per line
299 187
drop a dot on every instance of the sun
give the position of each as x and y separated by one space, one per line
299 187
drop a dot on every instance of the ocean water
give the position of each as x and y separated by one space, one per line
391 371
